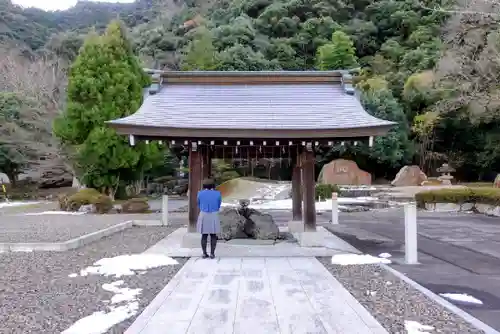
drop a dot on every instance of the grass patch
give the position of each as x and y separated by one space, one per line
480 195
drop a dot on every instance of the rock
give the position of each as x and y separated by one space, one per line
4 178
344 172
231 223
55 178
135 205
89 208
180 190
409 176
261 226
496 183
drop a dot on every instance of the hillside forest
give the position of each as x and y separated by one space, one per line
431 66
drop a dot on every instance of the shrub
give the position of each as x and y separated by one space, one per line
325 191
103 204
459 196
136 205
73 202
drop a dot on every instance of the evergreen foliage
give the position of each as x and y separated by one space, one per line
105 83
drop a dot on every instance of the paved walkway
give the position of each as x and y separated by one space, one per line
255 295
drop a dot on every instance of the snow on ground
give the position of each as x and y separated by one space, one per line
354 259
270 191
414 327
461 297
54 213
125 265
11 204
100 322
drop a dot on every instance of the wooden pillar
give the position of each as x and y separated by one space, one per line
195 180
308 188
207 163
296 190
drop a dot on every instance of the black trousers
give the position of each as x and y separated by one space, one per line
213 243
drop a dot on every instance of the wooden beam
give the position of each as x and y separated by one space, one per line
296 190
308 188
195 180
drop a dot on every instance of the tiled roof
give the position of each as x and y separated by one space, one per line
290 106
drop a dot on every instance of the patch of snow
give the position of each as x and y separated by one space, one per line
461 297
11 204
385 255
354 259
122 294
100 322
73 275
54 213
126 265
414 327
270 191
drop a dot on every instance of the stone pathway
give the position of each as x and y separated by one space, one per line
255 295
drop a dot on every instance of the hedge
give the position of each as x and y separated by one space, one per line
324 191
483 195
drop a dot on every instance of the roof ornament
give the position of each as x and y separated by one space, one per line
156 82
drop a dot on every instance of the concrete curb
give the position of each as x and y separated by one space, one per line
441 301
76 242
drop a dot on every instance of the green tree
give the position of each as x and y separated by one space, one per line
338 54
394 149
105 83
200 53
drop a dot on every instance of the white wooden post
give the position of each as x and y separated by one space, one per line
411 249
164 210
335 209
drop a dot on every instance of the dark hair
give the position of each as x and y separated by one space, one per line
208 184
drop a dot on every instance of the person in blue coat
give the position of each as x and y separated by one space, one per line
209 202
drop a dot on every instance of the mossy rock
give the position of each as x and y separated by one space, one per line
135 205
73 202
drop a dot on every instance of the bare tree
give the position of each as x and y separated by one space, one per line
37 85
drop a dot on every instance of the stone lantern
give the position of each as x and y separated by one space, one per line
445 177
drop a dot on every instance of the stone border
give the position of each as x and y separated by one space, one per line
441 301
489 210
75 242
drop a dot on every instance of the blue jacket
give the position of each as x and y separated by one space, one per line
209 200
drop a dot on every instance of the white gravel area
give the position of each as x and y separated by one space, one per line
38 296
393 302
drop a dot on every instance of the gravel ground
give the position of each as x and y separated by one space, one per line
396 302
39 297
53 228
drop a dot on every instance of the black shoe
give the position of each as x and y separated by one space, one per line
205 256
212 256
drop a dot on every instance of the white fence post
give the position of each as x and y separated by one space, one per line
164 210
335 209
411 249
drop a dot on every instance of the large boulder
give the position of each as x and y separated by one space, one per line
344 172
409 176
232 224
135 205
55 178
243 223
261 226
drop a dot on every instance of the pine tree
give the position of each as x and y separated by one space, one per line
105 82
338 54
